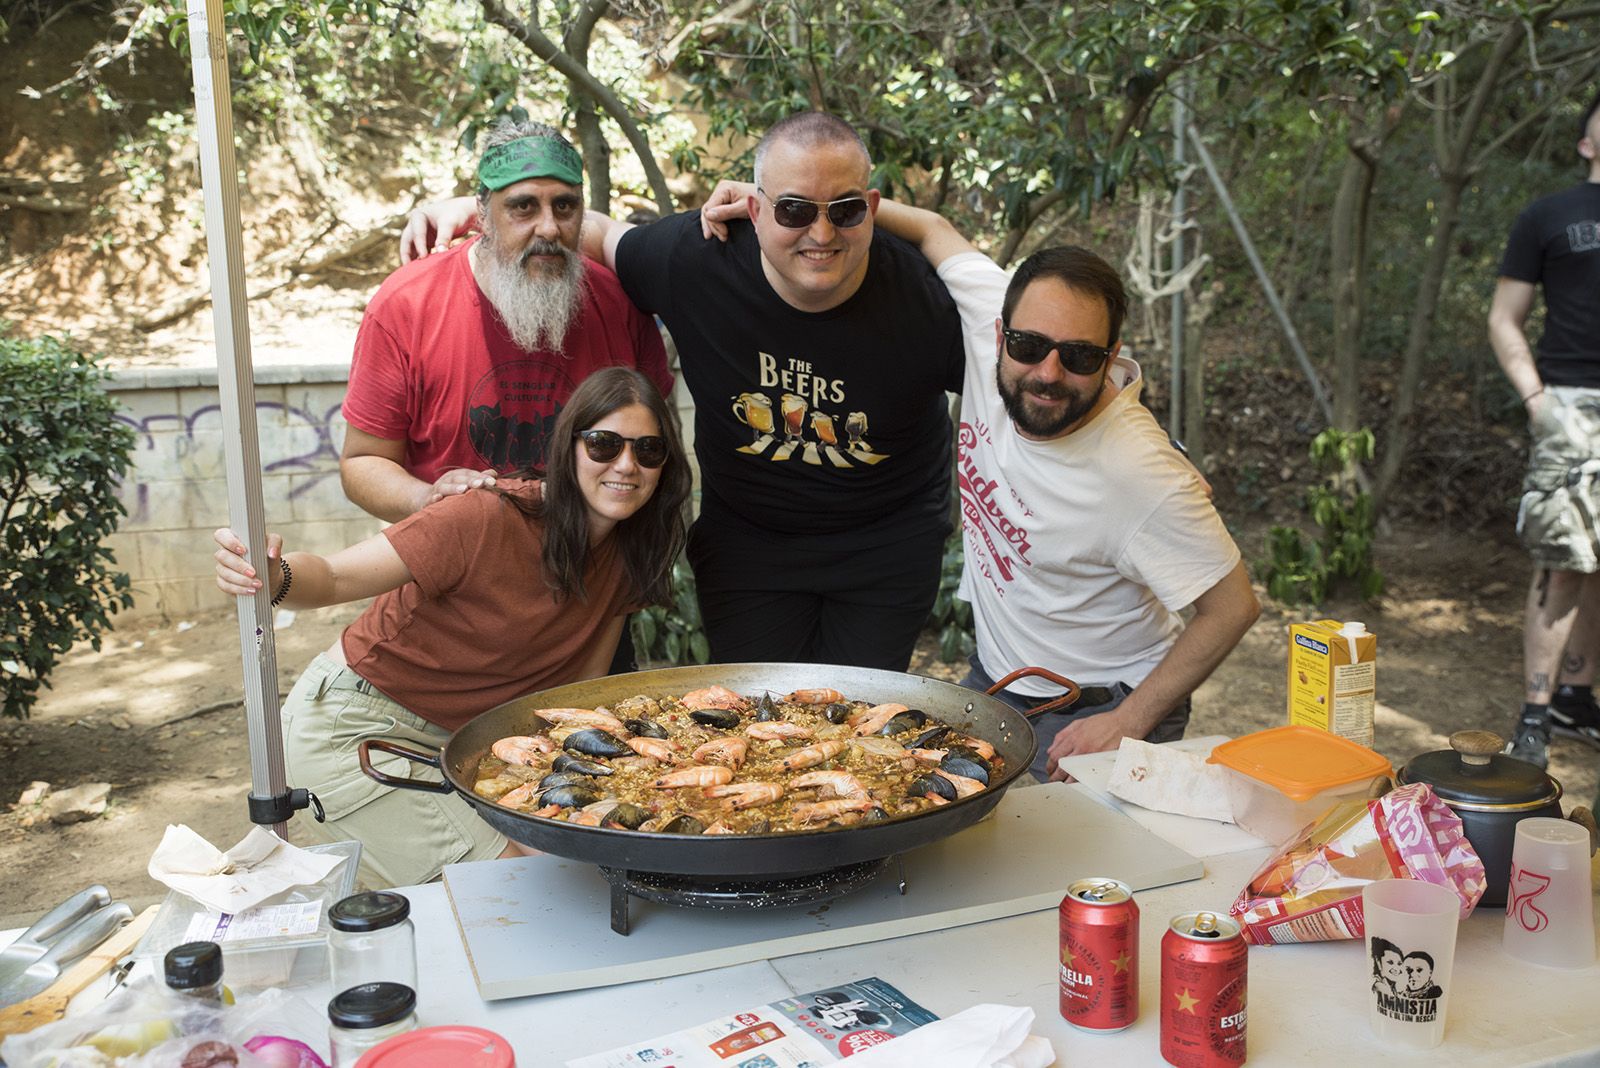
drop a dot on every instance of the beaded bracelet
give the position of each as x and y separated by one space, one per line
288 580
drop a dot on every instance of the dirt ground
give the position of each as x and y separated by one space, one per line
155 712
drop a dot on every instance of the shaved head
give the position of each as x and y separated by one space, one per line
812 130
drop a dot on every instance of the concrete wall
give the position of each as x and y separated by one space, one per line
177 493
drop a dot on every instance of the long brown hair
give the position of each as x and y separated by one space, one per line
649 540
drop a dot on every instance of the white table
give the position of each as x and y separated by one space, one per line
1307 1003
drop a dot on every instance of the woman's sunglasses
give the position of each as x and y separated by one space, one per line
1079 357
797 213
603 446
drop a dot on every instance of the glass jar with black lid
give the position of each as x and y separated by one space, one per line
363 1016
372 941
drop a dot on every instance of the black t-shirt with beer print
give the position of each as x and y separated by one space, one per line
807 423
1555 243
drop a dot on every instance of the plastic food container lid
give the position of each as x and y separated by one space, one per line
429 1047
1300 761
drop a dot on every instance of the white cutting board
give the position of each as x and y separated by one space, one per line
1203 838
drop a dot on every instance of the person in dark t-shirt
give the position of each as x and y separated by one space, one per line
1555 245
818 353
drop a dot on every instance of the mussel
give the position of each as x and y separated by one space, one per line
973 767
930 737
570 796
721 718
836 713
564 778
625 815
766 711
909 720
645 729
580 766
684 824
592 741
876 814
924 785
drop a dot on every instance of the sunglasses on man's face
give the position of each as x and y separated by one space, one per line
1079 357
797 213
603 446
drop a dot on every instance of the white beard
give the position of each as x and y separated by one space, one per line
538 308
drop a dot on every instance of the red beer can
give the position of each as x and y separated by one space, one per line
1204 965
1099 956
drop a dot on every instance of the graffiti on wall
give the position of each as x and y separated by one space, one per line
178 448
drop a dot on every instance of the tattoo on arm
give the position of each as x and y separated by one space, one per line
1573 663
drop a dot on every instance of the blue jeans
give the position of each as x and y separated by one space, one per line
1047 726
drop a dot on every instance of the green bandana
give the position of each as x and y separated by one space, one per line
530 157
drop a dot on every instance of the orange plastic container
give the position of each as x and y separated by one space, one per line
1283 779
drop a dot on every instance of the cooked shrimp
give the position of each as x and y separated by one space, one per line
547 811
813 811
965 787
522 749
983 748
871 720
746 794
713 697
719 828
831 784
583 717
822 696
695 775
520 796
729 751
812 755
776 730
928 756
654 748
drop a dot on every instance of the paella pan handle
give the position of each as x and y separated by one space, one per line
1065 701
413 755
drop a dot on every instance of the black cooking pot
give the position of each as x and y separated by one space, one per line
1492 793
744 855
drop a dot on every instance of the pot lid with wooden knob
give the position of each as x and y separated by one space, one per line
1475 771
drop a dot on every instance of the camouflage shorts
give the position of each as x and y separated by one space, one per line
1559 516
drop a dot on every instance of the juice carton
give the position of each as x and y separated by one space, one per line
1332 673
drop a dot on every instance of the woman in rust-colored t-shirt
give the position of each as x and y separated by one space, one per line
480 598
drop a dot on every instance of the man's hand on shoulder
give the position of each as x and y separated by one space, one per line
1089 734
728 201
456 480
432 227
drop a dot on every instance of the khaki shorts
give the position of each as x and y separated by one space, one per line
1557 518
406 836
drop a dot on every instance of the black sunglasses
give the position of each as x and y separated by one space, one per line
797 213
603 446
1079 357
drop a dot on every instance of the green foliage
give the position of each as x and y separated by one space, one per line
1299 571
673 634
951 617
62 454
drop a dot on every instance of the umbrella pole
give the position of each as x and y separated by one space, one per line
271 803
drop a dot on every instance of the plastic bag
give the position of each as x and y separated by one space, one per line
1310 890
144 1025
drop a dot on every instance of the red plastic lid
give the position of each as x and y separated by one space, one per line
430 1047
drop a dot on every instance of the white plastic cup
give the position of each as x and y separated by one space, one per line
1411 948
1550 903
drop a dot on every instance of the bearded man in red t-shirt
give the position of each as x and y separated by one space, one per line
464 359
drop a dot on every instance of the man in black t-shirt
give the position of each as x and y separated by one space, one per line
818 353
1555 244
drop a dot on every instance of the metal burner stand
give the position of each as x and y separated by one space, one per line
710 892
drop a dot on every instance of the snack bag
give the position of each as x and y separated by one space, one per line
1310 891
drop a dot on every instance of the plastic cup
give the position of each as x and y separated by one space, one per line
1550 905
1411 947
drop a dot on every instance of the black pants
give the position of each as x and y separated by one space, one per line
811 604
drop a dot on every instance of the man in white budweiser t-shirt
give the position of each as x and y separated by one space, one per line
1086 531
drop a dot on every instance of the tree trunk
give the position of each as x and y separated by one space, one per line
1454 174
585 118
1347 273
